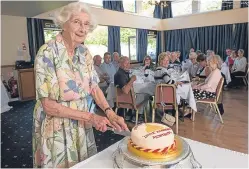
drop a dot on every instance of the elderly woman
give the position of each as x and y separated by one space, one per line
148 64
65 78
161 74
192 70
238 69
207 89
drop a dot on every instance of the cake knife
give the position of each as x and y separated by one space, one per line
122 133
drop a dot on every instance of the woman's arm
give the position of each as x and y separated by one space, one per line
99 98
52 108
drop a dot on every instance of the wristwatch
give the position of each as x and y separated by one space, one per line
107 109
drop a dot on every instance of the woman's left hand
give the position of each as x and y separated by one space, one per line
117 121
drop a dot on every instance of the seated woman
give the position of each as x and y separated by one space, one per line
148 64
161 72
207 89
238 69
230 59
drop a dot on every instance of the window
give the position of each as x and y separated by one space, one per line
50 34
151 49
97 41
210 5
181 7
128 43
129 6
96 3
147 9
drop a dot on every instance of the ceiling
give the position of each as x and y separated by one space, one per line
29 8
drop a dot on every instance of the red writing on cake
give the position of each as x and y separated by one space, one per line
161 135
147 135
155 132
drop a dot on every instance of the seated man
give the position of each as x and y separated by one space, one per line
115 61
107 67
124 82
103 77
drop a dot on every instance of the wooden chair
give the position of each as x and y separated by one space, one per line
128 101
245 77
214 101
165 94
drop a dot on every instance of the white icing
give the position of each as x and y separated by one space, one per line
158 139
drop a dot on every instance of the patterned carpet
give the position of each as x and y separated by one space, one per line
16 140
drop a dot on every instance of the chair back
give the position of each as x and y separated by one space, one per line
219 89
125 100
165 94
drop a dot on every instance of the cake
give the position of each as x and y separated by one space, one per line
153 141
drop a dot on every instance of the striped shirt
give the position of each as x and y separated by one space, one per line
162 76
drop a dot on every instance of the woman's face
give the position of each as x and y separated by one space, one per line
173 56
147 61
193 60
77 27
165 62
240 53
203 63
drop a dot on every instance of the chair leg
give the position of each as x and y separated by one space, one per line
212 107
145 115
192 115
177 116
136 117
218 112
153 115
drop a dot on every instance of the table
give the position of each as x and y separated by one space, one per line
147 86
207 155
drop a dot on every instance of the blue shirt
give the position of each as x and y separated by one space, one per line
109 69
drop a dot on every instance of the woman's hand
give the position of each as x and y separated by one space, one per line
100 123
117 121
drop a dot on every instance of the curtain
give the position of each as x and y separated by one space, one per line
113 5
142 43
157 14
35 36
226 5
167 11
240 37
216 38
114 39
244 3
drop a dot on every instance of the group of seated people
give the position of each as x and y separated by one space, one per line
198 65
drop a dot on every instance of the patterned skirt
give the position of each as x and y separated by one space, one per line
202 94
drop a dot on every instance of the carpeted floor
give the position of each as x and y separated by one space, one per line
16 140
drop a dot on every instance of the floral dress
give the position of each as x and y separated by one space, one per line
62 142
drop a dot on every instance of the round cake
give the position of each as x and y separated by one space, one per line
152 141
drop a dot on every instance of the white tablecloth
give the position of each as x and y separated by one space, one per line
207 155
146 86
226 72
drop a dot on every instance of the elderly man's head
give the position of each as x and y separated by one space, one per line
107 57
76 21
193 57
228 52
115 56
124 63
97 60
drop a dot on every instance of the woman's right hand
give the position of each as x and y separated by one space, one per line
100 123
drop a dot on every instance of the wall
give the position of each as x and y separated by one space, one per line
206 19
14 32
108 17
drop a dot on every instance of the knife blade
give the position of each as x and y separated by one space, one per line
122 133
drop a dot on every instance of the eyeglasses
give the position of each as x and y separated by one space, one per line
77 22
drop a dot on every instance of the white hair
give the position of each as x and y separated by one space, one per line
63 15
192 55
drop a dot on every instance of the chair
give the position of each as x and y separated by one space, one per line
245 77
128 101
214 101
166 94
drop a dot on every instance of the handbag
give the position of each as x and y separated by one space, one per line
168 119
